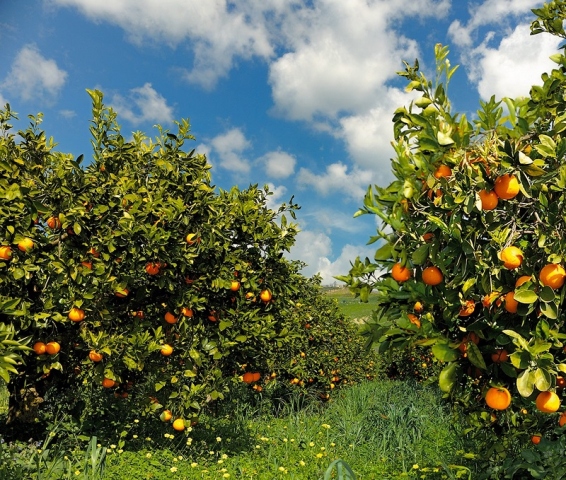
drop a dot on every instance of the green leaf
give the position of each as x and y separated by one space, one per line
475 356
420 255
547 294
447 377
526 383
444 139
383 253
542 330
526 296
444 353
542 379
549 310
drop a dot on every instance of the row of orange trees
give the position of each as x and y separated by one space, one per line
134 274
472 252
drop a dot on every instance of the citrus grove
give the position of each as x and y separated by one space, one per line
133 279
472 256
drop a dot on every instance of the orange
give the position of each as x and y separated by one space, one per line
108 383
418 307
39 348
443 171
400 273
187 312
498 398
94 252
170 318
179 425
562 419
248 377
500 356
166 350
489 299
489 199
25 244
76 314
5 252
536 439
432 276
87 265
52 348
471 337
522 279
506 186
547 402
122 293
192 238
512 257
467 309
256 376
510 303
552 275
152 268
414 320
138 314
560 382
427 237
95 356
53 223
235 285
213 316
265 295
166 415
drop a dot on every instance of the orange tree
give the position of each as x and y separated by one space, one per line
472 255
135 282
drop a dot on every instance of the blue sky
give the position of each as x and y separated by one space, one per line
297 94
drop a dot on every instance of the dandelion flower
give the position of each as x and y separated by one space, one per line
319 455
194 464
173 469
325 425
311 444
218 439
302 464
226 475
148 455
416 466
112 446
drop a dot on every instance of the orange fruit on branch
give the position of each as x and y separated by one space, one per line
418 307
235 286
95 356
401 273
506 186
489 199
108 382
414 320
76 314
553 275
54 223
39 348
52 348
535 439
562 419
511 304
152 268
265 296
443 171
166 350
5 252
170 318
522 280
187 312
25 245
500 356
432 276
547 402
166 415
179 425
467 309
512 257
498 398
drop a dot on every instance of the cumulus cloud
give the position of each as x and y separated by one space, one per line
279 164
315 249
337 180
511 69
32 76
143 104
67 113
229 148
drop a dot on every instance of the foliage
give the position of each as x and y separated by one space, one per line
138 251
464 193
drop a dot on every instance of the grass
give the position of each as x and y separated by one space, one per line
350 306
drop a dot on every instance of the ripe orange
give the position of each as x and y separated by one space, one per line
400 273
87 265
522 279
122 293
510 303
547 402
498 398
489 199
166 415
500 356
489 299
95 356
94 252
39 348
187 312
506 186
414 320
471 337
265 296
166 350
553 275
235 285
170 318
54 223
536 439
443 171
213 316
192 238
512 257
427 237
152 268
248 377
560 382
5 252
52 348
432 276
108 383
25 244
179 425
76 314
418 307
467 309
562 419
138 314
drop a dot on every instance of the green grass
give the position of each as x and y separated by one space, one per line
350 306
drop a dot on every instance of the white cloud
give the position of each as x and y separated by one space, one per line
337 180
67 113
279 164
33 76
515 65
3 101
143 104
274 201
315 249
229 147
489 12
